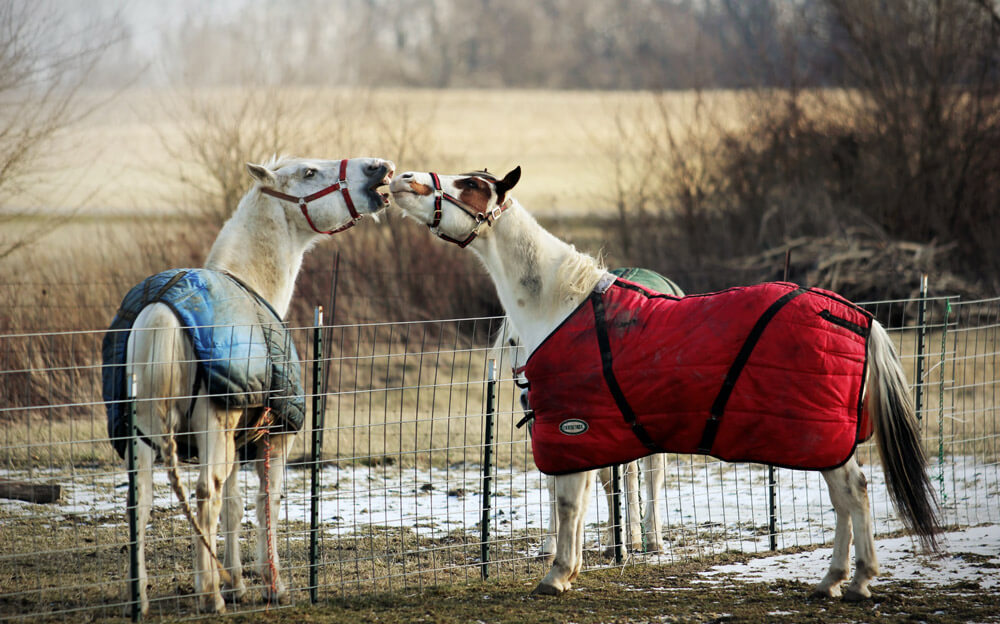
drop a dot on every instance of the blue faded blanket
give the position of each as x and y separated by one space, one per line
246 357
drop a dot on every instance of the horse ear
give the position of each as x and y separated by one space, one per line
262 174
507 183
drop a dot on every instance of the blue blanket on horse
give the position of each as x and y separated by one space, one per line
246 357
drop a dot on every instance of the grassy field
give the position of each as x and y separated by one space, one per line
117 160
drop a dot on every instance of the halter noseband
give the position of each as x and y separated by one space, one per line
480 217
340 185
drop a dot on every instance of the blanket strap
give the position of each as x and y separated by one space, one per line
604 343
719 406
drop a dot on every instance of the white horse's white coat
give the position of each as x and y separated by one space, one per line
541 279
262 245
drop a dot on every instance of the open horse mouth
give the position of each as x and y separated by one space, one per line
383 196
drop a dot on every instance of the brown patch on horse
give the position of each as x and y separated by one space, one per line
475 192
421 189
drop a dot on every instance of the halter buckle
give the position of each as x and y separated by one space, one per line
302 202
496 212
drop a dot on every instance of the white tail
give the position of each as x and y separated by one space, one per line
897 434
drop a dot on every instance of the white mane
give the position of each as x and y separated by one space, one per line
578 275
277 161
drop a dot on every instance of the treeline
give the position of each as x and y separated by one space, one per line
564 44
870 185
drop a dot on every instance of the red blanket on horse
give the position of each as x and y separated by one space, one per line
771 373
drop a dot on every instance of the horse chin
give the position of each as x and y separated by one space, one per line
409 203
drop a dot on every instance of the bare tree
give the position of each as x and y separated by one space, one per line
44 68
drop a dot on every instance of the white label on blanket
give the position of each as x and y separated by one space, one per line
573 426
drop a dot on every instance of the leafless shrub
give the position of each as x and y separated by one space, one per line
44 67
50 339
903 160
383 269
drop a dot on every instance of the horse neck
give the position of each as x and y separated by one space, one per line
258 247
530 269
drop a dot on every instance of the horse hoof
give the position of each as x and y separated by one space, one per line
235 595
216 606
544 589
827 593
853 595
279 598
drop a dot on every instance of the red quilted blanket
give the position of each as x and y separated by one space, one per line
771 373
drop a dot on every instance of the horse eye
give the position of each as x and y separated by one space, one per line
310 173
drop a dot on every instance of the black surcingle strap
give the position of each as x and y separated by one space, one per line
607 365
719 406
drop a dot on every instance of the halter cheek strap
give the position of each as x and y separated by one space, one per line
340 185
480 217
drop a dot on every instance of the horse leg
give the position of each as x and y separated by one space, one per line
633 517
652 524
217 455
155 352
849 495
549 543
865 559
144 505
268 504
579 534
572 491
232 516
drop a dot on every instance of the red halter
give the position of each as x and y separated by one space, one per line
480 217
340 185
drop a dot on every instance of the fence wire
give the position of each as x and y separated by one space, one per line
400 477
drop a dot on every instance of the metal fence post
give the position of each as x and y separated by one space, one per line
317 454
616 513
132 506
772 480
772 509
921 339
484 525
941 389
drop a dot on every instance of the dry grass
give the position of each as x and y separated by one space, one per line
115 161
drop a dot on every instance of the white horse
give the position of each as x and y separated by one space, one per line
645 535
293 204
540 280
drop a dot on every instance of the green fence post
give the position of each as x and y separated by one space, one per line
616 513
484 525
317 455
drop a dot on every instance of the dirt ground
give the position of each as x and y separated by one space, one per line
644 593
670 593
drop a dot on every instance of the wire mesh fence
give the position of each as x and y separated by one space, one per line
418 474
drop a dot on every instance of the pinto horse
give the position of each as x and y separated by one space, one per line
292 205
642 533
542 281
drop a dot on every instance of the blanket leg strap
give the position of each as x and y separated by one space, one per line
604 343
719 406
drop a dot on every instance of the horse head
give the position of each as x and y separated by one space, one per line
455 207
331 194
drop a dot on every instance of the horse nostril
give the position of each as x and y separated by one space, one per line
407 176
